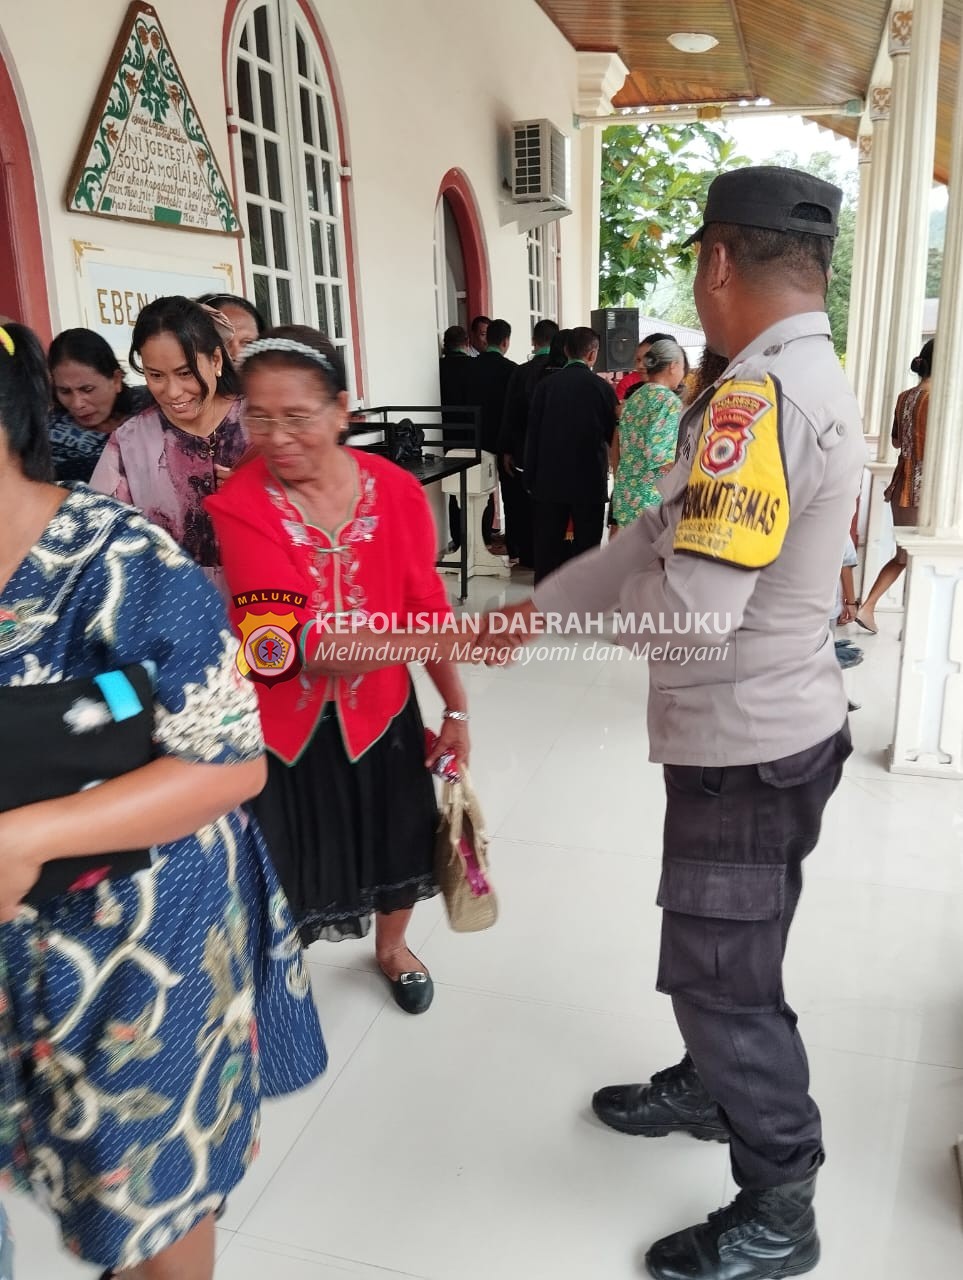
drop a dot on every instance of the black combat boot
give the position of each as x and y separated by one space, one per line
675 1101
762 1235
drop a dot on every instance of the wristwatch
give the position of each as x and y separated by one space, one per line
454 715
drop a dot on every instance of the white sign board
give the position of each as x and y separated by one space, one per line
116 286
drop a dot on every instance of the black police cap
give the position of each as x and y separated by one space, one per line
769 197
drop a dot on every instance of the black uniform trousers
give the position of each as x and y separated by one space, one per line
519 519
735 841
551 523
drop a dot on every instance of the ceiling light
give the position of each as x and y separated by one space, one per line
692 41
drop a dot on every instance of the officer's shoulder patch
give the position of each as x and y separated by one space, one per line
735 508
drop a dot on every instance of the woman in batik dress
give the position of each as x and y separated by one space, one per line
648 432
149 1015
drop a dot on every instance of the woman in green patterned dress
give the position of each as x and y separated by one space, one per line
648 431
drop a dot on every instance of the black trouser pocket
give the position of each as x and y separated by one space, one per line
722 934
795 792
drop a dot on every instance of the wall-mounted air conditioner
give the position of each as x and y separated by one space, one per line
540 164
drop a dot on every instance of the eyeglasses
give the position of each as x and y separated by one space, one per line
293 424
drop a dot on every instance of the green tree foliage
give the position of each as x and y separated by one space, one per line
654 183
840 286
673 300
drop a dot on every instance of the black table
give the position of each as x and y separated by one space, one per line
463 433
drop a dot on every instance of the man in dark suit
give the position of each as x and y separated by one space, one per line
454 376
519 516
489 377
478 335
454 368
570 429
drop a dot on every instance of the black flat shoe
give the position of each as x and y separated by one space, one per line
413 992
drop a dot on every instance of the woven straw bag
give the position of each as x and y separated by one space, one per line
461 859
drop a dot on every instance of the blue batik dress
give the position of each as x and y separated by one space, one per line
142 1021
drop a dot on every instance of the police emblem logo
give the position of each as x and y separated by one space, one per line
737 519
731 418
268 650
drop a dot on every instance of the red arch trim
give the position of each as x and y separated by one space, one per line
351 278
456 189
20 198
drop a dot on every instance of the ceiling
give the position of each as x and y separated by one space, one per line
793 52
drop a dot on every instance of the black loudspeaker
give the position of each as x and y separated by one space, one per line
618 330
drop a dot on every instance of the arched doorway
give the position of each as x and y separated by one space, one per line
461 265
23 279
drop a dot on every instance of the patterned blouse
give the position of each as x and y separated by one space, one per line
167 473
648 433
76 450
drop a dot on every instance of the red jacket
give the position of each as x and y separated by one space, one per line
626 383
382 561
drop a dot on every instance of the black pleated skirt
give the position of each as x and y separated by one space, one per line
352 839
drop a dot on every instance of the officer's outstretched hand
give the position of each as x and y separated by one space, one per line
505 632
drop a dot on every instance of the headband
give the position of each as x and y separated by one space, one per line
262 345
6 341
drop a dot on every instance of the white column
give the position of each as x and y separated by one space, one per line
864 219
928 730
915 31
877 545
600 77
590 143
879 411
872 159
887 200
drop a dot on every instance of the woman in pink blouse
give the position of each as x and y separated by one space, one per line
172 456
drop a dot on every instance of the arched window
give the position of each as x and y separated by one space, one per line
461 264
289 171
451 285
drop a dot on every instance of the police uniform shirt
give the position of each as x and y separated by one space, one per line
730 581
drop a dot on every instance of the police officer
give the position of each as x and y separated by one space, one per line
747 711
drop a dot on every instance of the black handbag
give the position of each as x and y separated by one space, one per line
58 739
404 443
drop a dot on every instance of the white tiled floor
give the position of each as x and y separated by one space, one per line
460 1145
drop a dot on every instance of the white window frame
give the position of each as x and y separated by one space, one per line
542 246
441 271
443 316
294 216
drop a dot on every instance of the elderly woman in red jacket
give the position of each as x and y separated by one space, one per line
314 535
